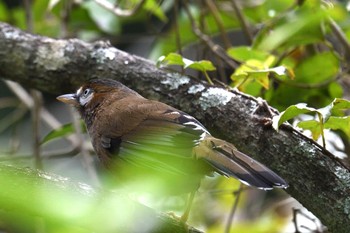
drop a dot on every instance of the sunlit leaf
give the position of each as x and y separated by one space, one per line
171 59
289 113
295 24
313 126
104 19
262 77
177 59
245 53
341 104
334 107
339 123
153 7
255 70
52 4
203 65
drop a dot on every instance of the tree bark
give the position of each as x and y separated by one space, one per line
317 180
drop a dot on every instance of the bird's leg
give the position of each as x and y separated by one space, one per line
189 202
263 107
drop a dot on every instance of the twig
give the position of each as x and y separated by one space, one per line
6 102
340 35
55 154
65 16
216 49
244 24
36 128
28 15
305 85
12 117
118 11
27 100
177 32
215 12
234 208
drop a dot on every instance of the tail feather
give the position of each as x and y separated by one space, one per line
231 162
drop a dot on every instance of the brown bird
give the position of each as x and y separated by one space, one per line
147 140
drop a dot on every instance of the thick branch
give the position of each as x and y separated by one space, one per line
316 179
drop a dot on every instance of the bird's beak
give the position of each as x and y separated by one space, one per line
68 99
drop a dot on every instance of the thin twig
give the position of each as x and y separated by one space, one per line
242 20
215 13
176 24
7 102
12 117
14 141
65 16
340 35
177 31
305 85
54 154
27 100
216 49
36 127
118 11
28 15
234 208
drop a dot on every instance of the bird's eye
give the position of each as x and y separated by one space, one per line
86 92
86 96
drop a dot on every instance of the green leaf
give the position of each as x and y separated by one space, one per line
291 112
177 59
255 70
336 106
64 130
171 59
312 125
202 65
261 76
339 123
296 24
104 19
341 104
153 7
52 4
245 53
317 68
335 90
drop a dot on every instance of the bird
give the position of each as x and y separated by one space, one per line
146 140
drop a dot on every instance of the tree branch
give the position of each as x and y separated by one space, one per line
317 180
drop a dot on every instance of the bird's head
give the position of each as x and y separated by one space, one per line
95 92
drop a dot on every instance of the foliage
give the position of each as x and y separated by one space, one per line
326 118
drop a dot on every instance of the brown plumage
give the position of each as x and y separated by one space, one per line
158 141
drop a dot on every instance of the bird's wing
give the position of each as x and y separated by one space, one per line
163 141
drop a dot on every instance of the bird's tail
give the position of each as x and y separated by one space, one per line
229 161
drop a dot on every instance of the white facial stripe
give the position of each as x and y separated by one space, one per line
79 91
84 95
84 100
